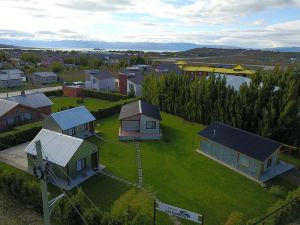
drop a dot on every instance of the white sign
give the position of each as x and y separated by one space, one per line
182 213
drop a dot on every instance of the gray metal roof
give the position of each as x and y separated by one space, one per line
57 148
247 143
6 106
138 79
139 107
72 117
14 76
44 74
34 100
100 74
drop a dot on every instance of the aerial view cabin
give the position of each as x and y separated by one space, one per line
100 80
43 78
37 101
253 156
13 114
77 122
139 120
71 160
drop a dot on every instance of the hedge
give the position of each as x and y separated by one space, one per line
104 95
21 186
54 93
19 135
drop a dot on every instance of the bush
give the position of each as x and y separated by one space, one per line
54 93
20 186
104 95
19 135
275 190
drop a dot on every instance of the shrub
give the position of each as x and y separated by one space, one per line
20 186
104 95
54 93
275 190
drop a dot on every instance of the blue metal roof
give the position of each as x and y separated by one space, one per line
73 117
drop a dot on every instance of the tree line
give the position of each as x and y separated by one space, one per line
268 106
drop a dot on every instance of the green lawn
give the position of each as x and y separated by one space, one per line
92 104
179 175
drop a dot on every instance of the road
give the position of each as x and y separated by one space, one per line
45 89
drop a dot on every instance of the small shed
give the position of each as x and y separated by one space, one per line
249 154
44 78
139 120
71 160
77 122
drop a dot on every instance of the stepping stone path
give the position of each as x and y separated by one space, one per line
139 164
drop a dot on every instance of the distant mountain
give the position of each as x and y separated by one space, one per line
146 46
285 49
8 46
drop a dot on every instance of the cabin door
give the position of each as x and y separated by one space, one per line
94 160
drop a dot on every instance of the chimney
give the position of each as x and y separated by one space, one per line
22 93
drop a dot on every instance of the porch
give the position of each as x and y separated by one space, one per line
280 168
135 135
63 183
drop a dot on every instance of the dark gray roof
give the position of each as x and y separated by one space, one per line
34 100
131 72
252 145
6 106
138 79
168 68
100 74
139 107
45 74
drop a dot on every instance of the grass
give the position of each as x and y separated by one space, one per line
179 175
71 76
92 104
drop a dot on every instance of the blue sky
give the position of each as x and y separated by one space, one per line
251 23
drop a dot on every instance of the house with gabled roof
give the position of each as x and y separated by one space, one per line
70 160
100 80
139 120
77 122
37 101
249 154
43 77
13 114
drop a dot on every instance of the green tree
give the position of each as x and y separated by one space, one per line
57 67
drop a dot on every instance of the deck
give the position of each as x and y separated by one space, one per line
134 135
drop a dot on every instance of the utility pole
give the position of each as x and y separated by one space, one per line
41 173
42 177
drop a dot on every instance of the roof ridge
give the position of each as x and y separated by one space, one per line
81 106
248 132
140 107
61 134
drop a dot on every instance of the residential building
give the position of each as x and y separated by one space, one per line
139 120
13 114
100 80
15 71
168 68
70 160
77 122
43 78
135 83
251 155
10 80
136 76
38 101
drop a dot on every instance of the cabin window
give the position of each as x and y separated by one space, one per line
73 131
9 121
27 116
80 164
150 124
243 160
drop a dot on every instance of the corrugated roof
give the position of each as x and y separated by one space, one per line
139 107
6 106
34 100
100 74
138 79
252 145
56 147
14 76
72 117
44 74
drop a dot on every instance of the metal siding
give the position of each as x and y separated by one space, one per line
143 121
130 125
